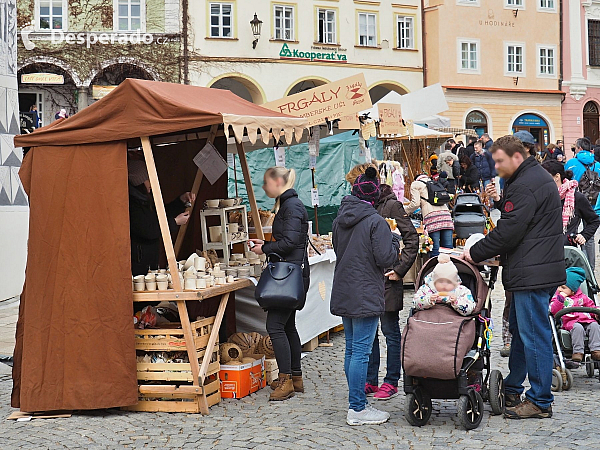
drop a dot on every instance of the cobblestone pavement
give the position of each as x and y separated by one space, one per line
315 419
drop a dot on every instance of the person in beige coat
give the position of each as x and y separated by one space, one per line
437 219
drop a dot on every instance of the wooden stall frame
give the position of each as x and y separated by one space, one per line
199 370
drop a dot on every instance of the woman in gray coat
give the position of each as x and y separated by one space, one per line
365 247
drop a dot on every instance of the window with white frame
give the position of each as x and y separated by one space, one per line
367 29
327 25
515 59
406 32
467 2
221 20
130 15
468 54
284 22
514 3
52 15
547 61
547 5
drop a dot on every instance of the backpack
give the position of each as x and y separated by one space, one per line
589 184
437 194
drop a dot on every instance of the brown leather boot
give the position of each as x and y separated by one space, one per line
296 380
577 357
284 389
596 355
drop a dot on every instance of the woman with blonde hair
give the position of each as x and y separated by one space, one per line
290 234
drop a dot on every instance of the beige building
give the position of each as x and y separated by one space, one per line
302 44
499 63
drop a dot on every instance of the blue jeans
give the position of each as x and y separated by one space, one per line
442 238
391 330
360 333
531 346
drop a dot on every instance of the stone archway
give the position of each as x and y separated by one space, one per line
379 90
241 85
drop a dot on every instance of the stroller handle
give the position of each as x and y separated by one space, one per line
573 309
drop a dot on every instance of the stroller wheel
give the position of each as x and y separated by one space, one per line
557 382
470 410
496 392
567 380
590 366
417 408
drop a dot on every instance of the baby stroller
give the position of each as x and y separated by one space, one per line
443 353
562 378
469 216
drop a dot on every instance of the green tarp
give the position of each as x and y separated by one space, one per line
337 155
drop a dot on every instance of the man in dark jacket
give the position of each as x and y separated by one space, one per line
469 149
365 247
487 142
529 240
484 162
389 207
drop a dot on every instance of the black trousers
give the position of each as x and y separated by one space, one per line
281 326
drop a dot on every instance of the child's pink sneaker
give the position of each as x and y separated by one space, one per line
385 392
370 389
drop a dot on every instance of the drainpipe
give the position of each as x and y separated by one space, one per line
423 43
184 32
560 75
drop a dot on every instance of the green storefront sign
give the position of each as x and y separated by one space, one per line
287 53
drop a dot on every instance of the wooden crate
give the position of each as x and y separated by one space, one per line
180 372
271 370
311 345
170 339
176 398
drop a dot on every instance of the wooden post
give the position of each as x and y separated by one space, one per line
169 250
214 335
250 191
195 189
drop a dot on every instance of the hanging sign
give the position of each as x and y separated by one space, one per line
312 161
210 162
349 122
390 118
279 156
314 140
101 91
42 78
330 101
314 195
230 160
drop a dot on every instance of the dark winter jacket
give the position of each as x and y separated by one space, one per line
528 236
468 151
365 247
485 165
583 211
470 178
290 233
389 207
144 229
488 145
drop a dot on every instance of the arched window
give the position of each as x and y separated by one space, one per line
476 120
591 123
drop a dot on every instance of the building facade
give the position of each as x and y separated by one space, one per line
303 44
581 38
70 53
498 62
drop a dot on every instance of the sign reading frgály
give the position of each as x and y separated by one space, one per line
390 118
330 101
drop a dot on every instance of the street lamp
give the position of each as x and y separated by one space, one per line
256 25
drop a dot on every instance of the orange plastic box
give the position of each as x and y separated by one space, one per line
238 381
257 373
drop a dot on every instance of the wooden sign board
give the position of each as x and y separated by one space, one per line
42 78
390 118
330 101
350 122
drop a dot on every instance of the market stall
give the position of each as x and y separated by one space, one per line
75 342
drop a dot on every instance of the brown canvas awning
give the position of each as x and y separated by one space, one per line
75 344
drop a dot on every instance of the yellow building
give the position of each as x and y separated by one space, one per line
499 64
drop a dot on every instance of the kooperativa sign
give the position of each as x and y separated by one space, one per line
313 55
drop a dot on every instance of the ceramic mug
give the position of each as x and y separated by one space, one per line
230 279
233 227
200 263
162 285
220 281
214 203
150 285
215 233
190 284
139 286
162 277
139 279
200 283
227 202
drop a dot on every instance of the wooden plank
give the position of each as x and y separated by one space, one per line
195 189
203 294
250 191
214 335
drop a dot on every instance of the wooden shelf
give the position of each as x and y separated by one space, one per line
172 295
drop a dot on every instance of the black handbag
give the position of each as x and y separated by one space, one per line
281 285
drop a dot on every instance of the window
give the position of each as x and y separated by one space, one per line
367 29
515 59
129 15
221 20
515 3
468 56
52 15
594 42
406 32
547 5
284 22
326 26
547 61
467 2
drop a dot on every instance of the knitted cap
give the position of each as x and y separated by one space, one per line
137 172
445 270
366 186
575 276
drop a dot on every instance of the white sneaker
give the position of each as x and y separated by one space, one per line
368 416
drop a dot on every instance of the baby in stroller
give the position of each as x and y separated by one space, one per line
579 324
443 285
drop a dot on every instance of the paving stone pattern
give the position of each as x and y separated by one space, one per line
315 419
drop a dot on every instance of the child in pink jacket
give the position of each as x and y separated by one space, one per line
578 324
